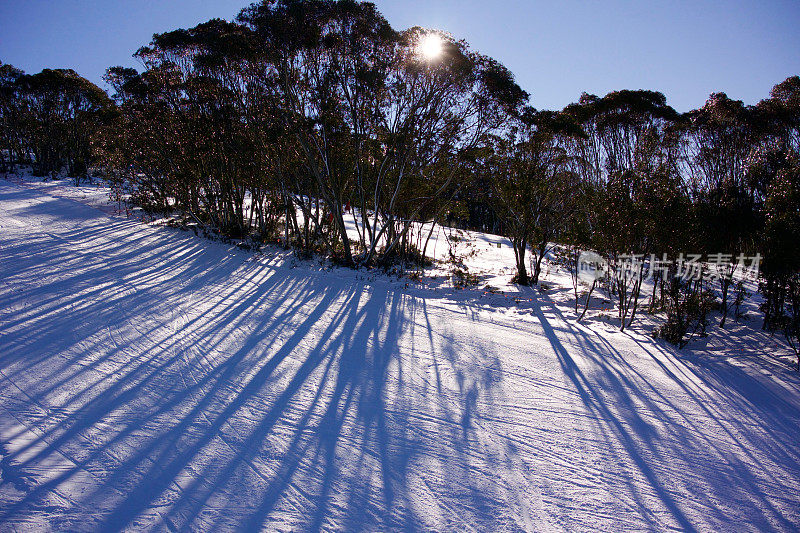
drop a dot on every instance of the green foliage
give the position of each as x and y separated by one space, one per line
463 278
688 308
47 119
781 266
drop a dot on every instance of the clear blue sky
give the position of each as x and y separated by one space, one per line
556 49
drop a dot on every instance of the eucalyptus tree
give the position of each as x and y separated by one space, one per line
721 139
381 126
202 85
59 111
309 56
434 120
783 110
147 145
198 130
629 148
781 269
532 187
775 173
11 116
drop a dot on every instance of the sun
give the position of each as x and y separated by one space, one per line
430 46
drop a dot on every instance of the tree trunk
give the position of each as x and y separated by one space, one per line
520 246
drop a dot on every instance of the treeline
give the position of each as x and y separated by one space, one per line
302 120
47 120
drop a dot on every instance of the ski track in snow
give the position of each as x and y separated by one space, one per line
150 379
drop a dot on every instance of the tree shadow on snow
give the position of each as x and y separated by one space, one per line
153 380
172 383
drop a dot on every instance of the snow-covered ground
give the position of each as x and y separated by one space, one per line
152 379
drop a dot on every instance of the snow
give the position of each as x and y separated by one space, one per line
152 379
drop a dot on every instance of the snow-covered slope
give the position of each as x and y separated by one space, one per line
151 379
